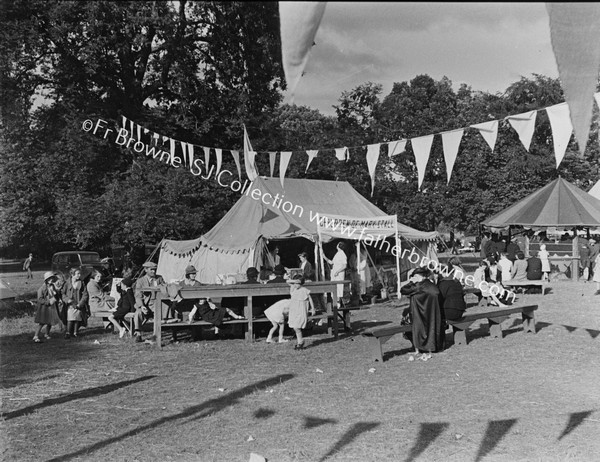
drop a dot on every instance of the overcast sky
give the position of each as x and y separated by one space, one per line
485 45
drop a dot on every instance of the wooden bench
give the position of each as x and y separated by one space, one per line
527 283
494 318
377 336
106 314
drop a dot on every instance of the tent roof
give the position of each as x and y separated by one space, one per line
302 199
557 204
595 191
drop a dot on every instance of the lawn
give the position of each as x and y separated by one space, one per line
524 397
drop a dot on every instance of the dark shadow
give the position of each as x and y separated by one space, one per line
544 325
428 433
312 422
8 383
359 326
493 435
197 412
575 419
350 436
393 353
263 413
87 393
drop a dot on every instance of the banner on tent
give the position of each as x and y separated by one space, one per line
345 227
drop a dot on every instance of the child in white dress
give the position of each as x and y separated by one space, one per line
277 313
299 307
543 256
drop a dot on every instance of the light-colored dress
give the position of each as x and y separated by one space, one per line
340 262
299 303
543 255
596 277
277 311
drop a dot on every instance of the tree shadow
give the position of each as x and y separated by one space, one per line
199 411
428 433
496 430
87 393
575 419
349 436
312 422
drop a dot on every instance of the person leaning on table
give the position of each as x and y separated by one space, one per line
144 300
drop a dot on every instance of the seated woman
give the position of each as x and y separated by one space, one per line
126 304
482 281
451 296
98 300
519 270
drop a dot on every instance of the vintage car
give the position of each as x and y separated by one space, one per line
62 262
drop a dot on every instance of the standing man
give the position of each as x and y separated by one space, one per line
144 300
27 266
339 264
484 246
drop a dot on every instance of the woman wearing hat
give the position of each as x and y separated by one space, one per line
75 296
46 311
426 315
298 311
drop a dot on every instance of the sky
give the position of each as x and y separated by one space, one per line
488 46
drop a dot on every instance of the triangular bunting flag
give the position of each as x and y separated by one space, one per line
451 142
489 132
272 157
560 121
139 132
236 157
184 151
597 97
131 128
523 124
372 157
190 149
341 153
249 155
172 141
219 155
284 160
206 157
311 155
124 122
396 147
156 138
299 22
575 36
421 148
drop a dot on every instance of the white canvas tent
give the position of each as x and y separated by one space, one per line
595 191
266 211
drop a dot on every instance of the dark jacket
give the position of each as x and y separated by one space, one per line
534 269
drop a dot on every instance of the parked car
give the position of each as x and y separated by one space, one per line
62 262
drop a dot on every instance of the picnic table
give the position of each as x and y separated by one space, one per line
248 291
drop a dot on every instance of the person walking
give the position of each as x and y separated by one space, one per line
27 266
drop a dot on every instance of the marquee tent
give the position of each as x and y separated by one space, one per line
559 204
595 191
267 211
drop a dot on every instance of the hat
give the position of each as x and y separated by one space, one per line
127 282
422 271
48 275
104 260
296 280
252 272
279 270
190 269
149 264
592 241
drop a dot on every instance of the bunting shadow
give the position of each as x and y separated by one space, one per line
496 430
428 433
312 422
349 436
544 325
575 419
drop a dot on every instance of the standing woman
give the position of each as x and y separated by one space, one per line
543 255
46 311
75 296
339 264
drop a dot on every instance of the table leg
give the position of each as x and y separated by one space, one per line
335 311
248 316
158 322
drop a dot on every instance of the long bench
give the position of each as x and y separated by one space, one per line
527 283
106 314
377 336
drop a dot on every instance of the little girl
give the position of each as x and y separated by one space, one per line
299 304
126 304
543 255
46 312
277 313
75 296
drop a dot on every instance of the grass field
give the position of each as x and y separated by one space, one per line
526 397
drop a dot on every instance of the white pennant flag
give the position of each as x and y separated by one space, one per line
489 132
299 22
139 132
236 158
560 121
311 155
396 147
575 36
597 97
272 157
190 149
421 148
124 121
219 154
523 124
284 160
249 155
183 150
131 128
341 153
451 142
206 157
156 138
372 157
172 141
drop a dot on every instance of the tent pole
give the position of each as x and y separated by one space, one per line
317 262
398 253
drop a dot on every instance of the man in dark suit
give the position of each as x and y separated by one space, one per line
534 273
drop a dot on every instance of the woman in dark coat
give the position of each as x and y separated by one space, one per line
452 297
427 317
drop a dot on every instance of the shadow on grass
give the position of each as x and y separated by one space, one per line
428 433
545 325
349 436
312 422
87 393
575 419
263 413
496 430
196 412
